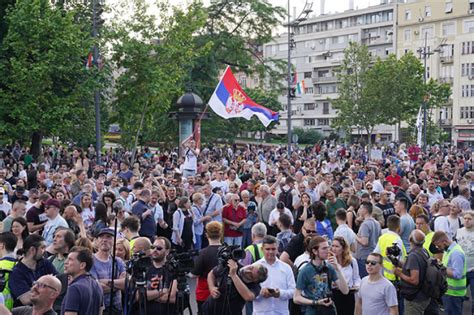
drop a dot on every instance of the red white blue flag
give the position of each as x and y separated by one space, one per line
230 101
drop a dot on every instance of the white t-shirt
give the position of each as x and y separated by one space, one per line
190 160
301 260
275 214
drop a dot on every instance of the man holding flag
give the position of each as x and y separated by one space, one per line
190 157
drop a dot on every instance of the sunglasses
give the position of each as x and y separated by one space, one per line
310 231
43 285
371 262
158 248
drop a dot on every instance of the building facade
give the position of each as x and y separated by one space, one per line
319 44
447 26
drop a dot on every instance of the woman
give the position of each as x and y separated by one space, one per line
183 226
80 161
353 204
303 212
417 210
87 212
323 225
122 249
20 230
59 195
108 198
74 220
100 219
345 304
199 219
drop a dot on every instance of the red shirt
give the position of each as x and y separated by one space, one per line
395 180
230 214
413 153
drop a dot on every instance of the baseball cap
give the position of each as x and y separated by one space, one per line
104 231
52 203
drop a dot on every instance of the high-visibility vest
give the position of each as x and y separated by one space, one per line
427 243
387 240
456 287
251 249
7 264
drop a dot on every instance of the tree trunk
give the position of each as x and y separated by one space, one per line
36 141
369 142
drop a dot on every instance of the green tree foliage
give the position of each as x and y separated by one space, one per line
44 86
308 136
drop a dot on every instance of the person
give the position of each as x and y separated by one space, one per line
296 245
161 288
332 204
29 269
213 205
343 230
102 266
323 225
190 158
63 241
465 239
100 219
229 298
199 219
303 212
130 227
206 261
20 230
267 204
454 260
252 217
345 303
440 221
5 206
7 261
141 210
44 293
286 234
55 220
385 205
254 251
377 295
275 214
422 223
369 233
279 286
407 224
122 249
411 276
84 295
234 217
183 236
315 279
18 210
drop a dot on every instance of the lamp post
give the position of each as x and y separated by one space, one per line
96 23
291 44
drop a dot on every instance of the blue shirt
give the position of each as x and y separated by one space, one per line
103 270
148 224
407 225
456 262
22 277
84 296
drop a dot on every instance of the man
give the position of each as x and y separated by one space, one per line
125 173
43 294
219 181
142 211
7 261
377 295
244 286
33 196
344 230
454 260
376 184
407 225
462 200
433 193
385 205
279 286
161 288
84 295
64 240
465 239
35 217
440 221
29 269
190 158
316 278
369 233
393 177
254 252
130 227
213 205
55 220
123 193
76 186
102 266
18 210
234 217
387 240
422 224
414 269
332 204
402 192
296 245
5 206
265 207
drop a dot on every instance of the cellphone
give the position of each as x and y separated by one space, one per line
272 291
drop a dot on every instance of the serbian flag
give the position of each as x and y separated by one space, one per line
230 101
89 61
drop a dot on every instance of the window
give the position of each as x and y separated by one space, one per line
472 69
464 112
464 69
469 26
472 90
326 108
465 91
323 122
243 81
309 122
407 15
309 90
449 29
407 35
307 75
309 106
448 7
427 11
427 31
428 74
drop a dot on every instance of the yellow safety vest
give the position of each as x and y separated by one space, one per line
456 287
7 263
387 240
251 249
427 243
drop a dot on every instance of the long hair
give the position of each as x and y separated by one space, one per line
346 252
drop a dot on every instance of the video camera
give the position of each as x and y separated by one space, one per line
227 252
138 266
181 263
393 252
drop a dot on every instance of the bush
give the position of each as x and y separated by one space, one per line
308 136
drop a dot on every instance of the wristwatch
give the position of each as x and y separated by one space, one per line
314 303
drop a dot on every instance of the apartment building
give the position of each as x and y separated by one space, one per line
319 49
447 26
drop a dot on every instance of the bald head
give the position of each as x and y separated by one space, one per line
45 292
141 244
417 237
52 281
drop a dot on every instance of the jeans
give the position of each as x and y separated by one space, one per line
198 244
470 283
187 173
416 307
452 304
233 240
362 270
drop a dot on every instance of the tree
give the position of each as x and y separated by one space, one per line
308 136
44 86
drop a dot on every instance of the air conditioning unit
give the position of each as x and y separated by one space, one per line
421 19
416 32
471 11
471 77
313 47
469 121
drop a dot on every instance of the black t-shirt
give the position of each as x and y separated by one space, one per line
295 246
387 210
152 275
447 191
416 261
169 207
36 215
298 224
229 302
206 260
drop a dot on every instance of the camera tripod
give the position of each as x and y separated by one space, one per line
137 289
182 295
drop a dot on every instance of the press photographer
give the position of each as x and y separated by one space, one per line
231 285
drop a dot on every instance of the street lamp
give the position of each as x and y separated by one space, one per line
291 44
425 53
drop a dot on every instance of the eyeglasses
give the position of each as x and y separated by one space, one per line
371 262
158 248
310 231
43 285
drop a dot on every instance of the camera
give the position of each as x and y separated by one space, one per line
227 252
138 266
393 252
181 263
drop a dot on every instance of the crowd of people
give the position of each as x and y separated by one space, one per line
323 230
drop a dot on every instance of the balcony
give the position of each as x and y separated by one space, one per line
446 59
325 79
445 122
448 80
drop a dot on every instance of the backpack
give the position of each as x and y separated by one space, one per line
287 198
